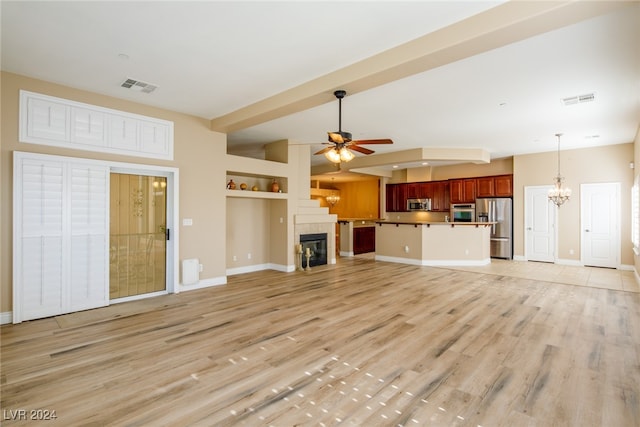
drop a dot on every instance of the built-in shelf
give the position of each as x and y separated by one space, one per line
249 194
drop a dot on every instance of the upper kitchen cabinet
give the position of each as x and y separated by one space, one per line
494 186
462 190
504 185
396 198
419 190
440 196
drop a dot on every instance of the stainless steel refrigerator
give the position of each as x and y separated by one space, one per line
500 211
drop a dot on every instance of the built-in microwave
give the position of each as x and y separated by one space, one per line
418 205
463 212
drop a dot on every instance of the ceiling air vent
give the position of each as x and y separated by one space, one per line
578 99
138 86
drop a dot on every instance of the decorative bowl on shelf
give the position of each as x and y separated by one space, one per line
243 186
254 188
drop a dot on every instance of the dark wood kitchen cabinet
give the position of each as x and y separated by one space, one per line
364 240
494 186
440 196
419 190
462 190
396 198
504 185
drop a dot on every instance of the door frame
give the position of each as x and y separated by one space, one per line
173 197
527 190
172 248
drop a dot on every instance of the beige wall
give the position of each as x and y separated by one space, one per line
198 153
471 170
590 165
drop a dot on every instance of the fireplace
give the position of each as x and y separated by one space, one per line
317 244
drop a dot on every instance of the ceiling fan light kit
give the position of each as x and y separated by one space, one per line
340 142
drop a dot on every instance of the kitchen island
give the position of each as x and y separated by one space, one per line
434 243
357 235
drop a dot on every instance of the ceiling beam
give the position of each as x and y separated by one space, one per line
502 25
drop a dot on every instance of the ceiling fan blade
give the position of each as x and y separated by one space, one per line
324 150
335 137
361 149
372 141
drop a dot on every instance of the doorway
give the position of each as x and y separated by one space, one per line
137 235
600 221
540 225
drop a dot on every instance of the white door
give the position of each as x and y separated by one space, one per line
600 221
540 228
60 236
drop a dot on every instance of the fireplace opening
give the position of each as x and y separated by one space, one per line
317 244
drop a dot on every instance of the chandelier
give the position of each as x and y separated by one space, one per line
559 194
332 198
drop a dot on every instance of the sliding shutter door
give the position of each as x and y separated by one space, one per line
60 236
89 275
39 240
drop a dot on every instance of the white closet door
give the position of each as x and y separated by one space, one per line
60 236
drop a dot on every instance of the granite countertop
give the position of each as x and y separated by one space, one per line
430 223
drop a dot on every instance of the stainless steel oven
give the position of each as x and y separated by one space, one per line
463 212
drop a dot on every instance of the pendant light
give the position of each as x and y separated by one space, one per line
559 194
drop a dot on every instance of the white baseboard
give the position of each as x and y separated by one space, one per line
346 253
207 283
519 258
410 261
6 317
261 267
282 268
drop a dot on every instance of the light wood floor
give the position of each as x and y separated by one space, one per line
360 343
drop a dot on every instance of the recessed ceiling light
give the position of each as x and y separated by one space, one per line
592 136
425 163
123 56
395 166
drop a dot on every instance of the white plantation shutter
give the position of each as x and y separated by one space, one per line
89 279
40 266
60 236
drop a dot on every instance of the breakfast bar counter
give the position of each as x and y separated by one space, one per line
434 243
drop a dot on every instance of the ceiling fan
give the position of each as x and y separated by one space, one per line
340 142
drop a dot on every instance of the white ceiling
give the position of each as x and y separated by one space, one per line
210 59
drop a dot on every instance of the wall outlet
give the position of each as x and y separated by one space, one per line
406 249
249 255
201 268
187 222
571 251
466 251
235 258
281 220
